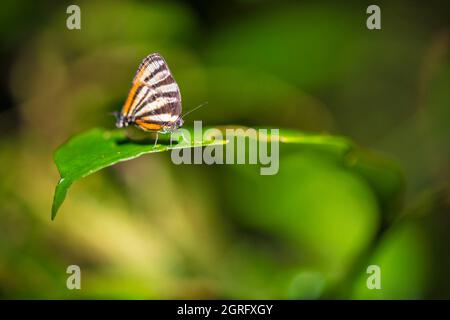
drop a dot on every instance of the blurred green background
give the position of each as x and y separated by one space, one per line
147 229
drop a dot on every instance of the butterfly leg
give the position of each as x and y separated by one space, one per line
156 140
185 139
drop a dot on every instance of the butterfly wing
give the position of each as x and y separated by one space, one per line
154 100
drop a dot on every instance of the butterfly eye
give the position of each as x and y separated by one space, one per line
119 122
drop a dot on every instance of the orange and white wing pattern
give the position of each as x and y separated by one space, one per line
154 101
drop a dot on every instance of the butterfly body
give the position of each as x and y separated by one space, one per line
154 100
163 128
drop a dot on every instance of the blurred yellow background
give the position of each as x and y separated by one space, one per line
147 229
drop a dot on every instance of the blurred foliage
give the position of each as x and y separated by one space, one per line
150 229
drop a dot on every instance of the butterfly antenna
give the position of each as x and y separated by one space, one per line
198 107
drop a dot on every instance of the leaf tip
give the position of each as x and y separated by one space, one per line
60 194
54 211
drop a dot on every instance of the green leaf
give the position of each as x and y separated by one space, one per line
98 148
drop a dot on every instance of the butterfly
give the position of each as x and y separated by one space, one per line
154 101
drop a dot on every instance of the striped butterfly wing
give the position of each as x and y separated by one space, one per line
154 100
